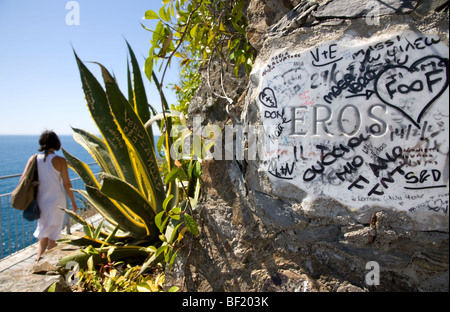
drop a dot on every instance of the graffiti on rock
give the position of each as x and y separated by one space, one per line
364 122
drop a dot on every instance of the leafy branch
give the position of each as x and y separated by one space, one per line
197 32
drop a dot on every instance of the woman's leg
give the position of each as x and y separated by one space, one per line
51 244
42 245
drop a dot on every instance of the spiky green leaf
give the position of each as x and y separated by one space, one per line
97 148
125 193
113 212
137 136
140 97
105 121
83 170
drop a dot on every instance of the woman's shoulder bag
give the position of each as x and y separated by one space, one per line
25 192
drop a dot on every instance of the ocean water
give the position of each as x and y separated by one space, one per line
15 150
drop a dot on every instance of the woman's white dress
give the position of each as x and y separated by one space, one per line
51 196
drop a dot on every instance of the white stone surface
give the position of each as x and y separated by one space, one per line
365 122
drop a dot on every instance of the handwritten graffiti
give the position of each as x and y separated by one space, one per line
281 171
326 56
362 122
396 84
267 98
331 157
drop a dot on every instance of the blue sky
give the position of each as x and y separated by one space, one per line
40 86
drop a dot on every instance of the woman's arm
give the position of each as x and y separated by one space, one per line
61 165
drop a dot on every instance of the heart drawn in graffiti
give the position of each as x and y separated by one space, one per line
412 90
267 98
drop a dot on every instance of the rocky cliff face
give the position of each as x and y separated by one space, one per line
349 189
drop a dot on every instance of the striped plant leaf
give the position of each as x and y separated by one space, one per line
172 187
97 149
129 196
130 87
120 252
113 212
83 170
140 97
138 138
81 240
131 192
105 230
158 87
76 217
101 113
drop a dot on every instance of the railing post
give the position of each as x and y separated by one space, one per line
1 230
9 228
16 245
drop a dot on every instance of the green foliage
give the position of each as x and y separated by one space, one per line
148 208
101 269
196 32
138 207
117 277
130 192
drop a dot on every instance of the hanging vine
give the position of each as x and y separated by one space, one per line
195 32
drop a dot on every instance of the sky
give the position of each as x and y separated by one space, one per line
40 86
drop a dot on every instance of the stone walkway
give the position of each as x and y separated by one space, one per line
19 259
25 276
19 273
27 256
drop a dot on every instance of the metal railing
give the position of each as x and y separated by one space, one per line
16 233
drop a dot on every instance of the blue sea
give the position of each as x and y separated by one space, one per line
15 150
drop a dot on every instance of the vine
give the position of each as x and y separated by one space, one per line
196 32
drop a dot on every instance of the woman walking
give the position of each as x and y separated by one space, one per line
54 184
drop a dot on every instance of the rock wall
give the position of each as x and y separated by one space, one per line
344 184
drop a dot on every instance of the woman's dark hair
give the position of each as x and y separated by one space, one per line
49 140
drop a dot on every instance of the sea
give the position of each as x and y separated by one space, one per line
15 150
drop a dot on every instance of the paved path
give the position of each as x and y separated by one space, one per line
27 256
19 259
